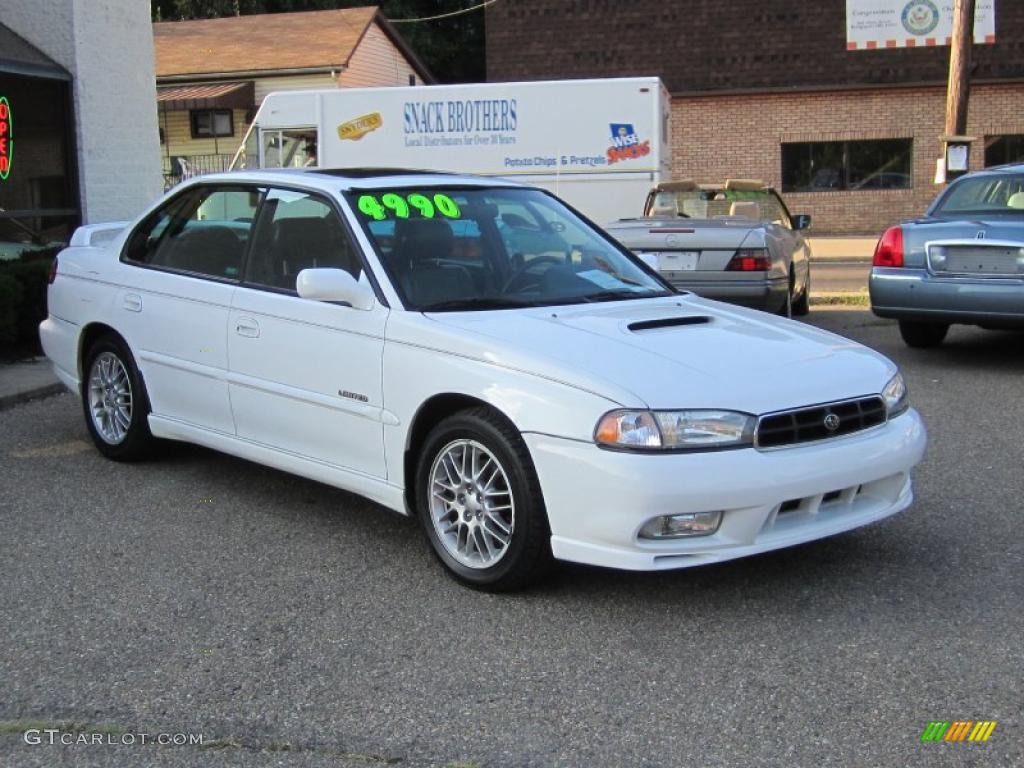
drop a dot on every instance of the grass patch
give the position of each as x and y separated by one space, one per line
858 299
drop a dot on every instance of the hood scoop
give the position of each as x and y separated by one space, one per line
668 322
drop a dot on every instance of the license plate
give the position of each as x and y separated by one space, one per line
678 261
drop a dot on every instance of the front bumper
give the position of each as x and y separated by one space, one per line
758 293
916 294
597 500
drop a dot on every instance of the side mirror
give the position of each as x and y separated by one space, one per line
801 221
323 284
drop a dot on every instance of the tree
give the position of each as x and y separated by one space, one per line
452 48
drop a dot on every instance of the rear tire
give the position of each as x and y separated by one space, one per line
114 401
480 503
802 306
922 335
786 310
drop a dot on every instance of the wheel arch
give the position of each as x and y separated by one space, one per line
430 413
90 333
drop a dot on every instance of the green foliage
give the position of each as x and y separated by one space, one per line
23 284
452 48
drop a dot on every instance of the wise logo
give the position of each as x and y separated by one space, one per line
958 730
626 144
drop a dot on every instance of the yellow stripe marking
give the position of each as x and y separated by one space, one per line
988 731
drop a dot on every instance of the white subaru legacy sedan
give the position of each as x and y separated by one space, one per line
476 354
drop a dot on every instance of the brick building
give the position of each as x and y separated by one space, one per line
768 89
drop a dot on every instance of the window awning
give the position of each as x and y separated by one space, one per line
207 96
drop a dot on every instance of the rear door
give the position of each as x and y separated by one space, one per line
188 258
306 375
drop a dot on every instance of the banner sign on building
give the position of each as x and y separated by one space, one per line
875 24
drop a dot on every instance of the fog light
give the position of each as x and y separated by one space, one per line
680 526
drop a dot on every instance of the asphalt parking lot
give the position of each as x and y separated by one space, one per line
294 624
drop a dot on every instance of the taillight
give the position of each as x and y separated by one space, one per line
53 272
889 251
749 260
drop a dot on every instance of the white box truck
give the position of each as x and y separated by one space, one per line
599 144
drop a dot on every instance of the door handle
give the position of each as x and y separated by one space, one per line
246 326
132 302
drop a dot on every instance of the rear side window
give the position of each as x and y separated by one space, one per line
204 231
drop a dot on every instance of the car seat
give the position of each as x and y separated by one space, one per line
417 262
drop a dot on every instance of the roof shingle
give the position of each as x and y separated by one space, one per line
265 42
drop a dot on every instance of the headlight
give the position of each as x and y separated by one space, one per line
895 396
675 430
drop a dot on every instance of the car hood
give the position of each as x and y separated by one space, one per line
708 355
698 234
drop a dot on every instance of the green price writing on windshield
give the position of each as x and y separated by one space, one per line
399 206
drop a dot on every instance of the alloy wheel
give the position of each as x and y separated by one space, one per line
110 398
471 504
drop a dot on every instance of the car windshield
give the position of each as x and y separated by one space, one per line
1001 194
465 248
703 203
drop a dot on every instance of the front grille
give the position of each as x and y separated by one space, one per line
804 425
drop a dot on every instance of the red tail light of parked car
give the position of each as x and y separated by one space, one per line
889 251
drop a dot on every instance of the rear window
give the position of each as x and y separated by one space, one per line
999 194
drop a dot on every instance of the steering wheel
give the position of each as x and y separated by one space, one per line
523 272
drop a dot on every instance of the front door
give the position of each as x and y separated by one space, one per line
306 375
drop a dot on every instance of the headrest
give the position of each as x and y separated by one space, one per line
747 209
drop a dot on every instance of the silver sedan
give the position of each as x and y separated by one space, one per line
962 262
734 241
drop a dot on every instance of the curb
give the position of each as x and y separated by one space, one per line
38 393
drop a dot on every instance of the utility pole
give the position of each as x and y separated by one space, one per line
957 145
959 90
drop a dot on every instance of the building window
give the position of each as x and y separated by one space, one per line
210 123
829 166
1000 150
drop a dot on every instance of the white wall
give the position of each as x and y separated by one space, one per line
107 46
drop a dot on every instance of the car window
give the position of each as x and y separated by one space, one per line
711 203
297 231
450 248
204 231
992 193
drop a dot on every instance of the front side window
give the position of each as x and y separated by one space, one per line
450 248
204 231
1000 194
297 231
208 123
832 166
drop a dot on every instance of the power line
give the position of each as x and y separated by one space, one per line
444 15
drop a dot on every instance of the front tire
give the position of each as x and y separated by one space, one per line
922 335
480 502
114 401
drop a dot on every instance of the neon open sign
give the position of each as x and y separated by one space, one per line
6 138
